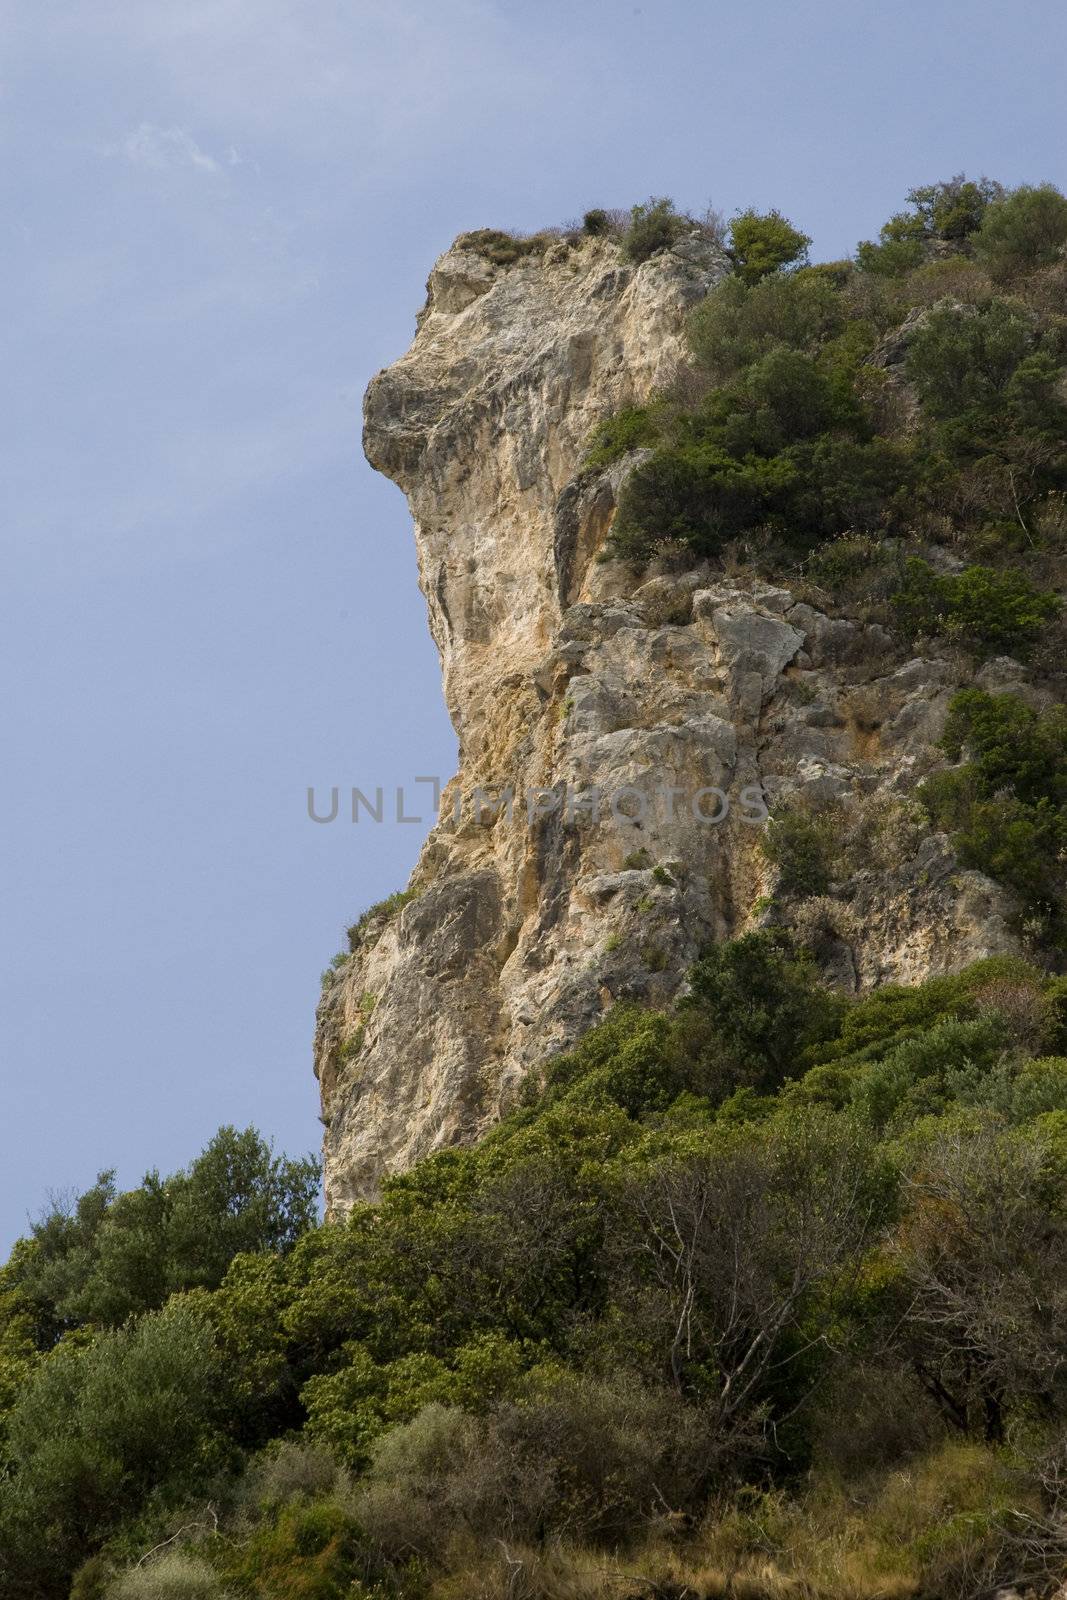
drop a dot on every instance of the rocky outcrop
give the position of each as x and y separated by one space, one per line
643 723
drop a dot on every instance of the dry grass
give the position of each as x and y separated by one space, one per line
934 1527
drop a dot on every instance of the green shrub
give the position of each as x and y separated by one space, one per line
581 1454
597 222
631 1060
637 861
93 1579
505 249
920 1076
853 565
805 845
836 484
697 495
762 242
954 209
899 250
654 226
291 1470
765 1004
785 447
782 397
962 359
627 1293
1004 806
737 323
803 439
98 1431
1024 230
1012 745
114 1256
309 1551
951 211
988 610
629 429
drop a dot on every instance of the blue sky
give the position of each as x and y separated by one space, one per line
218 218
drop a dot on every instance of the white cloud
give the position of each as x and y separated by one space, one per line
365 76
159 148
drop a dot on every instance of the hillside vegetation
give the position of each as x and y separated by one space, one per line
774 1285
763 1296
893 431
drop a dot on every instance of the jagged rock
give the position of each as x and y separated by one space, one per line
627 704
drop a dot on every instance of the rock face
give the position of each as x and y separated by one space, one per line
644 722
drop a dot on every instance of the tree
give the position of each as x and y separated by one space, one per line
94 1434
1024 230
733 1264
111 1256
765 1004
983 1250
762 242
951 211
954 209
964 359
236 1197
737 323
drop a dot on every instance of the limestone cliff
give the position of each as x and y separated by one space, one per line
567 673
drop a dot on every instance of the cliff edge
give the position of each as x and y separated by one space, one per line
616 705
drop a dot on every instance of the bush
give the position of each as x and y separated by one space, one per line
631 1060
505 249
855 566
112 1257
737 323
308 1551
918 1078
171 1576
93 1579
654 226
1011 745
762 242
900 248
630 429
700 496
805 845
1004 806
951 211
587 1455
785 447
987 610
962 359
954 209
765 1005
98 1430
1025 230
809 435
981 1248
643 1287
292 1470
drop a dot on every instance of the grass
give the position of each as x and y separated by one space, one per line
371 924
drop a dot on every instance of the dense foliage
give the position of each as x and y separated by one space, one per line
649 1288
915 396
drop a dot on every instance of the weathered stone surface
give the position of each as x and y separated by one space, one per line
568 675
